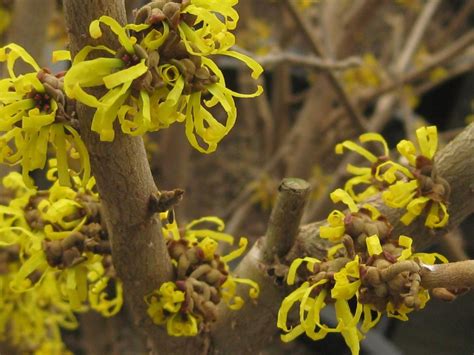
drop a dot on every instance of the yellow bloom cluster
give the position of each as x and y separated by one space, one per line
202 281
363 277
314 296
33 114
413 184
162 73
58 261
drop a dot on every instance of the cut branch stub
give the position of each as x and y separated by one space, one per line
285 218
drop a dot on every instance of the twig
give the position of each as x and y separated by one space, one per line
285 218
305 28
451 276
437 59
416 35
310 61
455 71
457 21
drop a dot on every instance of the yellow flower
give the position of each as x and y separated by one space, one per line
116 74
162 74
437 213
312 299
381 172
33 114
182 325
335 229
427 142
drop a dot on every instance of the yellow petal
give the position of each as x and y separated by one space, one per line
373 245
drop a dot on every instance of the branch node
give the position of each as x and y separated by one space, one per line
164 200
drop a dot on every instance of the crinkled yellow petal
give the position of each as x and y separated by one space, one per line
373 245
368 323
154 39
437 218
15 52
125 75
254 290
375 137
288 303
414 209
126 41
405 242
340 195
427 140
400 194
407 149
296 264
236 253
390 175
349 331
357 149
61 55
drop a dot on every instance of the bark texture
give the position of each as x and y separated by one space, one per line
125 184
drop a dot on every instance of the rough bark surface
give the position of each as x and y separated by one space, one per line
125 184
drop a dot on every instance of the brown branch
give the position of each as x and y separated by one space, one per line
125 184
437 59
285 218
416 35
451 276
310 61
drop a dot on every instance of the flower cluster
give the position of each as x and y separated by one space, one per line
188 305
35 113
413 184
162 72
55 260
366 265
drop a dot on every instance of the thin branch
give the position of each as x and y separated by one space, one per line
310 61
416 35
451 276
437 59
305 28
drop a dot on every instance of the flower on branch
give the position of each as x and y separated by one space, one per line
34 112
413 184
57 260
189 304
162 73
